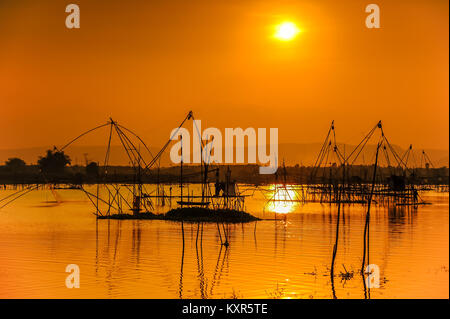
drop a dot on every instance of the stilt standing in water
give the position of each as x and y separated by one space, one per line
366 226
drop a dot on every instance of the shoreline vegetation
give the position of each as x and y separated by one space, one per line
191 214
244 174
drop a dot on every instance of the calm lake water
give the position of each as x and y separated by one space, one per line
288 257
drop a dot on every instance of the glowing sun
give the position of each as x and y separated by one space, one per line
286 31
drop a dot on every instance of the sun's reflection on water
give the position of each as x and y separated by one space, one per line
282 199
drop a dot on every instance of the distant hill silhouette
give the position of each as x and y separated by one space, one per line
293 153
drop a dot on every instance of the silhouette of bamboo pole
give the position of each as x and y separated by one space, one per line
335 247
366 226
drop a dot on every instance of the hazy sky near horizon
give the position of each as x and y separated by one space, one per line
147 63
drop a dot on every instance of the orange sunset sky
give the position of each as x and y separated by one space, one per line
146 63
